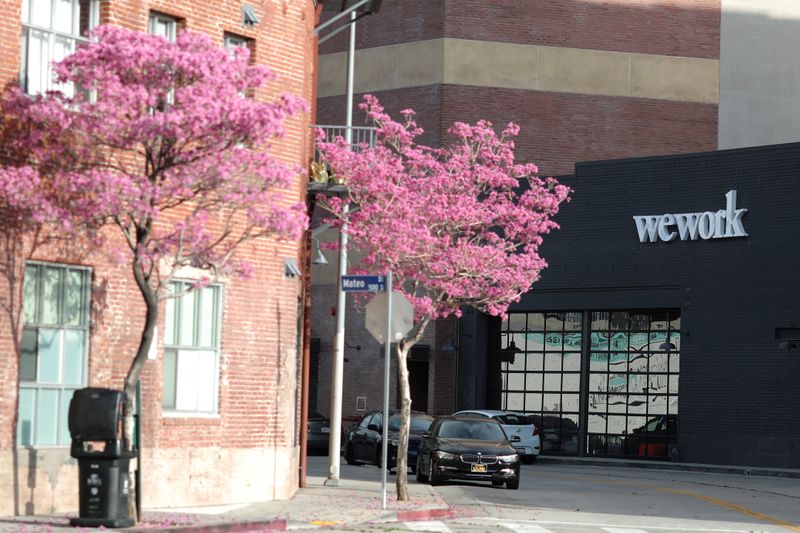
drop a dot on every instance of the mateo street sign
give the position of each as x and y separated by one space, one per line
363 283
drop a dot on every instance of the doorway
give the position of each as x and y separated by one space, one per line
418 369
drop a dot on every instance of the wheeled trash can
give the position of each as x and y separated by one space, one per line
95 425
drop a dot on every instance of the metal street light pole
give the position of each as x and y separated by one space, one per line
334 443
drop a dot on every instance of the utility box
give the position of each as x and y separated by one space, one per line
95 425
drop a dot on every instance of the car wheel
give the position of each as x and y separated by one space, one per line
348 455
512 484
434 478
422 478
529 459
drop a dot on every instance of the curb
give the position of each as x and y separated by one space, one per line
277 524
424 514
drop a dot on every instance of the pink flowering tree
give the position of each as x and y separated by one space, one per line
157 152
457 227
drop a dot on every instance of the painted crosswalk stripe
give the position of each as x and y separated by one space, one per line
623 530
524 528
428 525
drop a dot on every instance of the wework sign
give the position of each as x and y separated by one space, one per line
723 224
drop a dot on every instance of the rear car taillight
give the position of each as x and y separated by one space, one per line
536 431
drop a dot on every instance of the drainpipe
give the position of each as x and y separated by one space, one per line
310 202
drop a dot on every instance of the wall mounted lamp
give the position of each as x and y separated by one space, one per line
319 258
789 337
788 346
668 345
507 354
449 347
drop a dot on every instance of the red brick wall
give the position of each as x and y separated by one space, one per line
557 129
560 129
687 28
259 331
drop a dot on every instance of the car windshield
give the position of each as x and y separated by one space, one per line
511 419
419 423
471 429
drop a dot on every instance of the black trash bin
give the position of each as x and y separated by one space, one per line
95 424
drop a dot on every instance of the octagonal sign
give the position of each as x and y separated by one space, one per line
402 316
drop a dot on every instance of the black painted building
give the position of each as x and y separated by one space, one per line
659 329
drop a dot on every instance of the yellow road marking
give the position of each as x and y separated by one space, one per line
323 523
732 506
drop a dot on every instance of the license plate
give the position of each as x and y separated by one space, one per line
479 468
324 430
520 451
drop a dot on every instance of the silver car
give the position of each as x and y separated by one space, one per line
515 424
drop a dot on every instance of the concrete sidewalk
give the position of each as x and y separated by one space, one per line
353 504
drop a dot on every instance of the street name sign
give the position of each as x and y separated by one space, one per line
363 283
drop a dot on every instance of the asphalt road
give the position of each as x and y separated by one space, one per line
564 498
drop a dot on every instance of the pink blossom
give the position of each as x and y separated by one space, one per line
457 227
169 150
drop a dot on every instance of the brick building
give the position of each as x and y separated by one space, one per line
223 425
586 81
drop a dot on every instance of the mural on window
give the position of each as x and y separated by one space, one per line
634 363
54 350
544 379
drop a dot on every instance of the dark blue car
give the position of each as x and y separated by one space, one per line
364 441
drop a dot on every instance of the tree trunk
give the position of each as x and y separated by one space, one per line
405 422
134 373
405 406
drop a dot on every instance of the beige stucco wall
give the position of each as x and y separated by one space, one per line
528 67
171 477
759 73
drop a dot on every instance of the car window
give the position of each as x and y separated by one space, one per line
365 421
419 423
511 419
471 429
654 424
377 419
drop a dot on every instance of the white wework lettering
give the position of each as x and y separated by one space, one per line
706 225
663 228
724 223
647 227
719 224
734 227
687 226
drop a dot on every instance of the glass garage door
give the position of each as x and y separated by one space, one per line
629 363
634 362
544 379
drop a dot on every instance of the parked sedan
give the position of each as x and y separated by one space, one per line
364 441
518 424
471 448
655 438
319 433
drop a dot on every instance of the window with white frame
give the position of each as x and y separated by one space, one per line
191 349
51 30
234 41
163 25
55 343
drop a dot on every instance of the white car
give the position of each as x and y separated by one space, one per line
518 424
